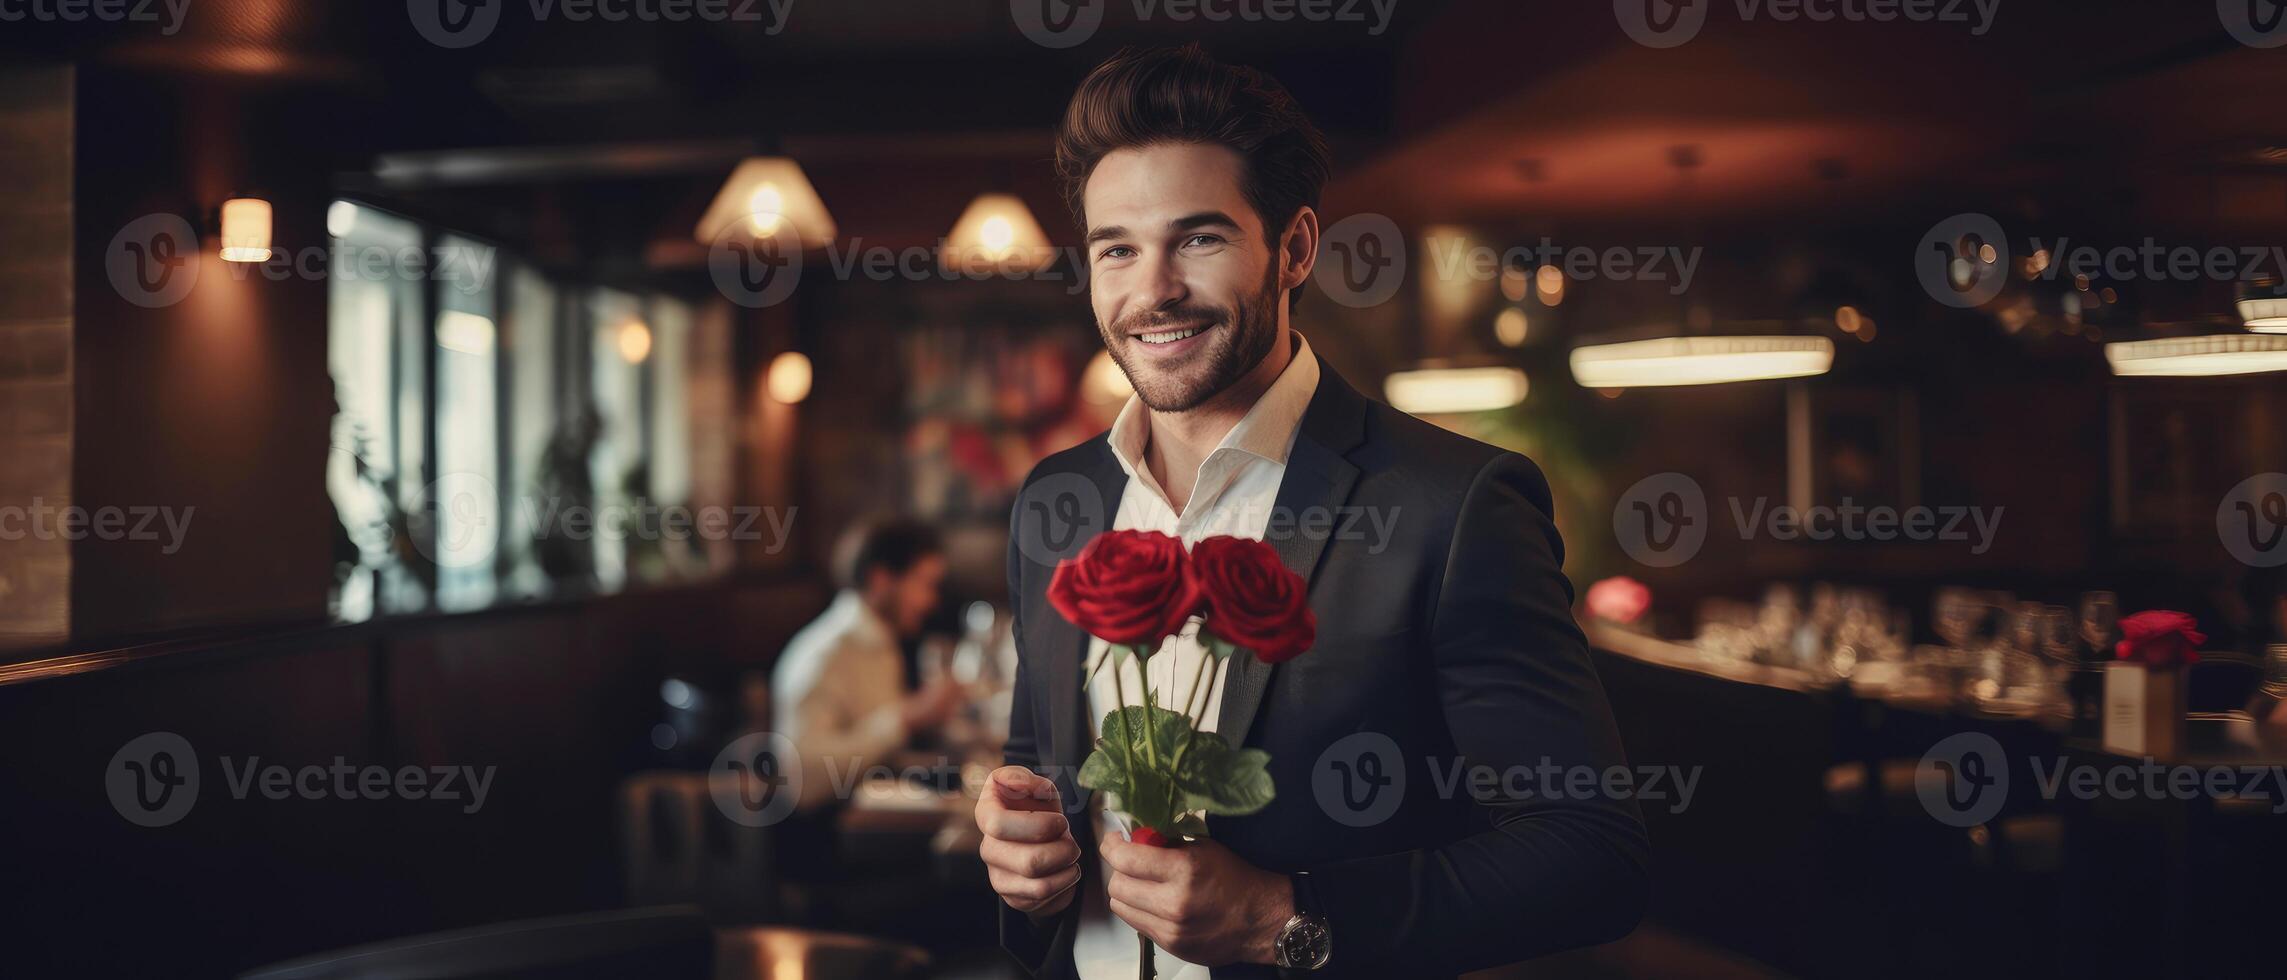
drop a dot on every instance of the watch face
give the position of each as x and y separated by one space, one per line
1306 944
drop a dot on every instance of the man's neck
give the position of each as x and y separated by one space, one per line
1180 441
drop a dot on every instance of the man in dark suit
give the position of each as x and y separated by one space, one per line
1443 753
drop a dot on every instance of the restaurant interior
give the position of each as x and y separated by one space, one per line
1890 367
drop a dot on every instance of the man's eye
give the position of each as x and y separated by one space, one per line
1117 252
1202 240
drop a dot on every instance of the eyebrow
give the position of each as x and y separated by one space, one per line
1189 222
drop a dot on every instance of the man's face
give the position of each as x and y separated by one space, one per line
913 595
1184 279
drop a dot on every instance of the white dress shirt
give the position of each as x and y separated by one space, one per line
837 693
1237 488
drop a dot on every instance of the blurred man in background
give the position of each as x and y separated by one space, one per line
840 690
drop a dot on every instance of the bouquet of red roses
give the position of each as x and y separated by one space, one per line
1133 590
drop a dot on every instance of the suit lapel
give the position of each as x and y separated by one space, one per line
1318 479
1067 645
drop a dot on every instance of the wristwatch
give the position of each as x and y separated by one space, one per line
1306 941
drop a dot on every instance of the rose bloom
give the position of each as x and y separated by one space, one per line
1127 587
1620 599
1253 601
2160 638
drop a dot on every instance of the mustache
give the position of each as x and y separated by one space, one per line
1151 321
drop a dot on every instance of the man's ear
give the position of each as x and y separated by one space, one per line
1298 248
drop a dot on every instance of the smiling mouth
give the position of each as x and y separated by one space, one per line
1170 336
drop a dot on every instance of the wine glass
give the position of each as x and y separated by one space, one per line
2100 614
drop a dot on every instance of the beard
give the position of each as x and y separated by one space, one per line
1238 338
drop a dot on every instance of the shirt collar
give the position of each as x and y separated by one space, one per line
856 619
1267 430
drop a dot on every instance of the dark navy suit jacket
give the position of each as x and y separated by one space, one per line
1446 647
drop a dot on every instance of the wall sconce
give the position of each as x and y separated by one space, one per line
788 379
245 230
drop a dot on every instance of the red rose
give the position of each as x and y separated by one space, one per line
2160 638
1126 587
1149 837
1620 599
1252 600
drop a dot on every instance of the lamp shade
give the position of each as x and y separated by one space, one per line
1451 390
1700 361
2264 314
245 229
2198 357
997 235
763 195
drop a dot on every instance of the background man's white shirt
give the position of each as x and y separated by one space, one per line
1237 488
837 693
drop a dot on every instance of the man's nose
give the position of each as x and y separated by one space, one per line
1163 285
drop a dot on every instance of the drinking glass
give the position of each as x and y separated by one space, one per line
2100 615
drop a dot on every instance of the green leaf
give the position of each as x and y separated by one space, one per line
1191 825
1141 792
1222 780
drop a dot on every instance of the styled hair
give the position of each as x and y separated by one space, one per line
895 545
1148 96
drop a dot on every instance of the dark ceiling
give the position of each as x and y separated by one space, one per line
1483 111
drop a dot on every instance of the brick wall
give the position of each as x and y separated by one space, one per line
35 351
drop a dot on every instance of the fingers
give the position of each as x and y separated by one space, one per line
1031 894
1159 929
1029 860
1018 788
1023 826
1144 861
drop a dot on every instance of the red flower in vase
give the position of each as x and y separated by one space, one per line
1253 601
2160 638
1126 587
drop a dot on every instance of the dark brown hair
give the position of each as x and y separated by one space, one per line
1142 97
